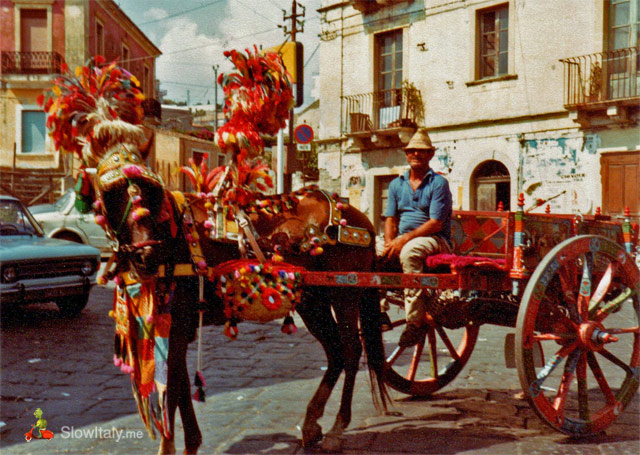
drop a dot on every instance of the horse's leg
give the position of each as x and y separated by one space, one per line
316 314
192 435
178 389
347 318
179 396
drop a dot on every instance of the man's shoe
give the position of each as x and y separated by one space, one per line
412 335
385 322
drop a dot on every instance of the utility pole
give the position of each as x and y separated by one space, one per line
296 26
215 102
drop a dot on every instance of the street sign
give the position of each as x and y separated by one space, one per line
304 147
303 134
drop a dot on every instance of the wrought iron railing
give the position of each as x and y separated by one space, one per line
31 62
601 77
381 110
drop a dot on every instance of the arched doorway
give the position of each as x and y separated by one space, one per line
490 185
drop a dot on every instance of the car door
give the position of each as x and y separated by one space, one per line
86 223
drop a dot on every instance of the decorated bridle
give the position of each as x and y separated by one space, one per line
122 166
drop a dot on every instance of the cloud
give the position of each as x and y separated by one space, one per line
193 42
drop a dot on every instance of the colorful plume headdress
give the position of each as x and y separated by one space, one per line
258 97
93 109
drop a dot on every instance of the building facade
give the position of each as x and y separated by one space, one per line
535 97
36 38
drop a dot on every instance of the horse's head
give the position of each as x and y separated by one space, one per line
133 207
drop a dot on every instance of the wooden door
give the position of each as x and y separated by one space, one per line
621 183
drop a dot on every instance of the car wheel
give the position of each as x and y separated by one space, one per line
72 306
68 236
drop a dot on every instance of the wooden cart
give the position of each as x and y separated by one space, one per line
569 285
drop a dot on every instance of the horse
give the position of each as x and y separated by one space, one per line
165 257
148 244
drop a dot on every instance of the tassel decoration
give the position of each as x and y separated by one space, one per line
288 326
199 383
231 329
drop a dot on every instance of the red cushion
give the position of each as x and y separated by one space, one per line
458 262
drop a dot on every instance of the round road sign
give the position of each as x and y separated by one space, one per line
303 134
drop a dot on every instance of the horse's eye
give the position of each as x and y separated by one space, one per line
116 158
134 157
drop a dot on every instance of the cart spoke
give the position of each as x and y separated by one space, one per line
447 343
568 281
415 361
602 381
553 336
433 352
602 288
585 287
616 361
613 305
583 396
565 383
395 355
554 362
627 330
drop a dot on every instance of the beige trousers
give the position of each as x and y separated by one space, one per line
412 258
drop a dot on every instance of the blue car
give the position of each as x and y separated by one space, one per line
35 268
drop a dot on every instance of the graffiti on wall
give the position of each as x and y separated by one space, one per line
560 168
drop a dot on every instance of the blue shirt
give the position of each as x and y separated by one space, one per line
431 200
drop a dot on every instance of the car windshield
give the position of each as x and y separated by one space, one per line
14 220
63 201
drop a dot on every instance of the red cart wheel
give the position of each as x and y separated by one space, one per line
430 365
581 307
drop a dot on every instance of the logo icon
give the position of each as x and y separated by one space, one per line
38 429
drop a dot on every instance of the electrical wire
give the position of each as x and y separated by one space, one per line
153 21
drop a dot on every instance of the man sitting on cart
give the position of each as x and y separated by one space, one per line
417 224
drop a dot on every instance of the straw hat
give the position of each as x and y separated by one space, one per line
420 141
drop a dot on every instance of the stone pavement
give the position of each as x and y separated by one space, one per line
257 392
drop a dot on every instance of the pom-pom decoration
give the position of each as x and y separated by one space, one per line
93 109
258 292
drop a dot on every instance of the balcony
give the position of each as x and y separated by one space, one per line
31 62
602 85
383 114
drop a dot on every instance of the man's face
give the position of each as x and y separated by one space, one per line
419 159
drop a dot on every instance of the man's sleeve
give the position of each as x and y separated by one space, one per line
441 204
392 200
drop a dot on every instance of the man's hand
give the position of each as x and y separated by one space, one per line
393 247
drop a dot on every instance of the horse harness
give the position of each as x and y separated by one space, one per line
122 164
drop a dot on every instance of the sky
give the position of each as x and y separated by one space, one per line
193 34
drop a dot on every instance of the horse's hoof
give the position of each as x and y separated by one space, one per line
311 435
332 443
166 448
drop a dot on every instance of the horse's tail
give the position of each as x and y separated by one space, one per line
374 348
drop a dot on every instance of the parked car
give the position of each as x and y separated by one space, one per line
34 268
61 220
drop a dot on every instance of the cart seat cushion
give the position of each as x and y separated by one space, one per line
459 262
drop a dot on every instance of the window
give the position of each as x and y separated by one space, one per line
146 83
32 134
624 24
33 30
125 57
389 77
99 38
493 49
623 63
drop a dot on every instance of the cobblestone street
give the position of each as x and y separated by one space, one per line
257 391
